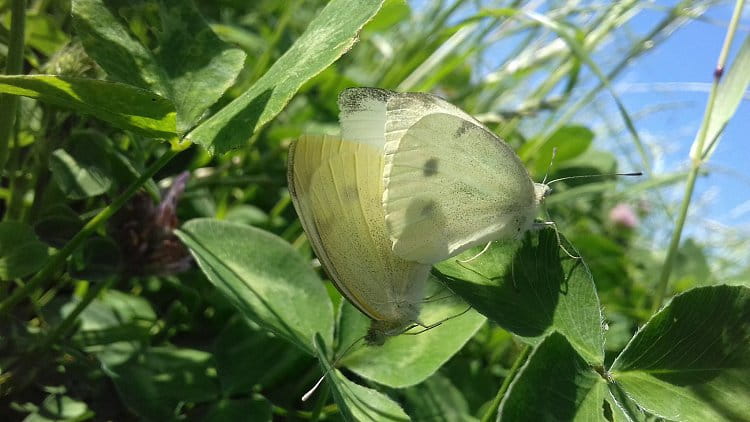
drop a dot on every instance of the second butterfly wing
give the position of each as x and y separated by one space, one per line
337 187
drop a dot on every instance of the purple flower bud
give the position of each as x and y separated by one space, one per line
145 233
623 215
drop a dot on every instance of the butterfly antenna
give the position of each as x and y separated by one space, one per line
333 365
595 175
549 167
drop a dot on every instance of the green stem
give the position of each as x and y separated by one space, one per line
58 260
697 160
495 405
14 66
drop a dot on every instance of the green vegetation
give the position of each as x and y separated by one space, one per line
122 120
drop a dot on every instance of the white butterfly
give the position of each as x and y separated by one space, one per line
449 183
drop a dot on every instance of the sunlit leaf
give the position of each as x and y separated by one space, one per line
691 361
264 277
405 359
123 106
329 35
357 403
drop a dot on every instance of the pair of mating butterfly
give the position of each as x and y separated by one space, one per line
411 181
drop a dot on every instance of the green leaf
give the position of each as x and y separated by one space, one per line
729 95
264 277
192 66
570 141
531 291
555 383
247 356
406 360
113 326
156 381
437 399
83 170
98 259
329 35
691 361
255 409
21 252
121 105
357 403
392 12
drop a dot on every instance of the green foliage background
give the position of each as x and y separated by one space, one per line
107 103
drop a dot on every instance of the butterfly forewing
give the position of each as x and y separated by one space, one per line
450 184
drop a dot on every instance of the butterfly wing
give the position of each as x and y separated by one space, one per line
451 184
336 187
380 118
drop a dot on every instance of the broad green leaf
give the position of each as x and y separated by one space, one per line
248 356
124 106
329 35
691 361
155 382
83 169
254 409
192 66
531 289
406 360
570 142
437 399
357 403
729 94
555 383
21 252
264 277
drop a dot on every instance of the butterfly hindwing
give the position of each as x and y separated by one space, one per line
337 191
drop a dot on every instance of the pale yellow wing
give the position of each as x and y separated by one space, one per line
337 188
450 184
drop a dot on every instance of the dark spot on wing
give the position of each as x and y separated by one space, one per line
428 208
430 167
465 127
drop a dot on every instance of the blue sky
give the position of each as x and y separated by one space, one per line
689 57
667 89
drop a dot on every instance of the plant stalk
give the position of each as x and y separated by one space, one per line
495 405
696 162
58 260
14 66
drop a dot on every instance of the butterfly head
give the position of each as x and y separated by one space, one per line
541 191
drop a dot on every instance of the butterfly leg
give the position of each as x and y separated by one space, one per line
557 234
431 326
486 248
